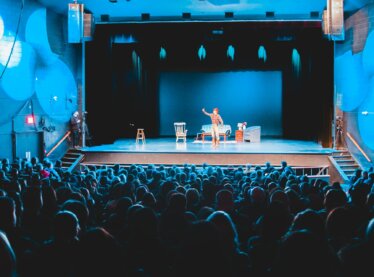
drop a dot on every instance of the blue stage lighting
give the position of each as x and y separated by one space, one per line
36 34
137 64
351 81
163 53
366 117
296 62
231 52
18 81
262 53
7 50
1 27
124 39
201 53
56 91
368 55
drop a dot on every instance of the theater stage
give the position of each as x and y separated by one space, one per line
167 151
168 145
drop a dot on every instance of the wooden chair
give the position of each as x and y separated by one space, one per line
140 136
180 131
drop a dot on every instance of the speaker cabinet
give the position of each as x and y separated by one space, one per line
89 26
75 22
333 20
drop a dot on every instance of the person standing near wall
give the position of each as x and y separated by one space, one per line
75 125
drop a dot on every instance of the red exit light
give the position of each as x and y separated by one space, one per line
30 119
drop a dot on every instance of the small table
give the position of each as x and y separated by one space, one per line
239 135
203 135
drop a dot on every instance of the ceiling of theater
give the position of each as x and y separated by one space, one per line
134 8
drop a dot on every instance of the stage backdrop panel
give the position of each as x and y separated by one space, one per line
251 96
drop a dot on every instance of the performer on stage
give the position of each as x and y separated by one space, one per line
216 119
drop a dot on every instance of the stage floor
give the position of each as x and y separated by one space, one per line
168 145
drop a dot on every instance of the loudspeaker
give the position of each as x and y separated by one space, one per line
314 14
75 22
335 9
89 25
146 16
333 20
104 18
325 23
186 15
229 14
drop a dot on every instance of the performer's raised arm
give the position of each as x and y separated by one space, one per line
204 111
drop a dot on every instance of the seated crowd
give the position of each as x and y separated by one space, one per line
182 221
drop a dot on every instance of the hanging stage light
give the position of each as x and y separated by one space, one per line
163 53
201 53
262 53
231 52
296 62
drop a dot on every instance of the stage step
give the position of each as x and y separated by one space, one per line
343 157
71 155
341 152
346 164
71 159
348 167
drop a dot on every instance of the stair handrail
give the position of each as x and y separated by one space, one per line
67 134
322 170
358 147
75 163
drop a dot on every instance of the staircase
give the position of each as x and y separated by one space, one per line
72 159
346 162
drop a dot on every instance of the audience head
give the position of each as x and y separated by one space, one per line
205 212
202 251
7 257
192 197
334 198
301 253
8 218
79 209
225 201
275 222
226 227
279 196
340 224
257 195
99 254
177 203
66 226
370 232
309 220
143 224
